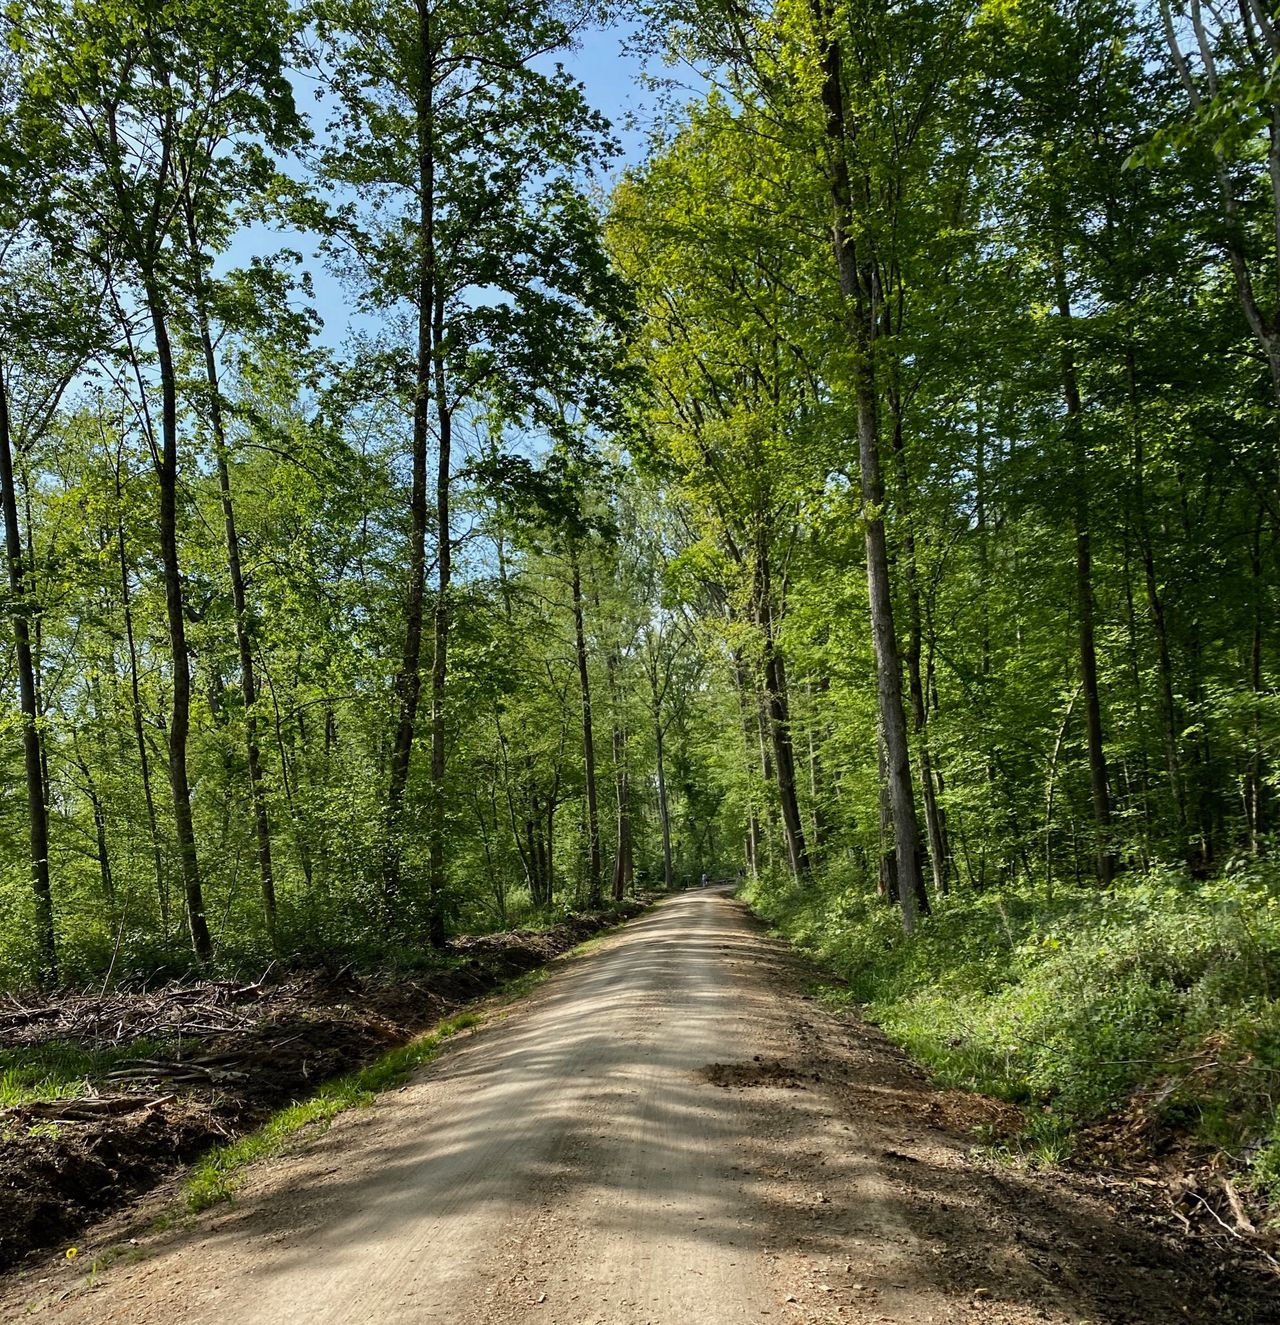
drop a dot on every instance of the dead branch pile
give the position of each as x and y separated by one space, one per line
102 1020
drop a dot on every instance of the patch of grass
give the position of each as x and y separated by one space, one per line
592 944
1160 996
60 1070
830 995
521 986
221 1171
1047 1140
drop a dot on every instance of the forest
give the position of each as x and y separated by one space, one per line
868 493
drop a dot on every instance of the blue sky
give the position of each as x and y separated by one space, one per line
612 79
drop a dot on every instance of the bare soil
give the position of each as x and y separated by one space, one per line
669 1131
232 1053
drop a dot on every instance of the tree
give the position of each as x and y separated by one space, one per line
465 149
153 111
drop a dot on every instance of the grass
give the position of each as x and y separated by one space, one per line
1160 998
59 1070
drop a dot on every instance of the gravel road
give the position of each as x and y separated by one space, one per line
669 1131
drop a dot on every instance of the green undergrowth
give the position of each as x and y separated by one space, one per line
1158 1000
59 1070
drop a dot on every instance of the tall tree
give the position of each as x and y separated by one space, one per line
467 148
153 109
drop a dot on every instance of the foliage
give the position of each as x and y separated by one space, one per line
1162 998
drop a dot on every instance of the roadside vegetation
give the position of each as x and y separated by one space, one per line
218 1173
106 1093
1145 1019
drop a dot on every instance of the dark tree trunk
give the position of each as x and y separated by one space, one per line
1256 785
437 874
777 703
409 677
656 695
179 728
775 680
105 876
887 876
139 736
766 774
623 865
32 753
752 836
1104 856
595 891
244 644
860 288
664 811
1156 609
919 710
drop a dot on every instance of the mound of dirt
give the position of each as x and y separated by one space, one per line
761 1072
67 1170
232 1054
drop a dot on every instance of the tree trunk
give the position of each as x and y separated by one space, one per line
1155 606
656 695
1256 785
859 286
437 881
437 876
1104 857
766 774
777 699
919 711
1139 705
32 740
409 678
664 812
244 645
105 876
594 886
623 866
752 842
167 473
777 703
139 735
887 875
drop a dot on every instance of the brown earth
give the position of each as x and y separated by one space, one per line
230 1054
668 1132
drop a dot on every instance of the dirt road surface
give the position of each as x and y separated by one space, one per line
668 1132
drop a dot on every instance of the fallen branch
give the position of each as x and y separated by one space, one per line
1235 1233
85 1110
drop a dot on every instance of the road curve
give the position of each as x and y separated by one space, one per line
665 1133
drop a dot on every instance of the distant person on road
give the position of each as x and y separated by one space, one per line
704 878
